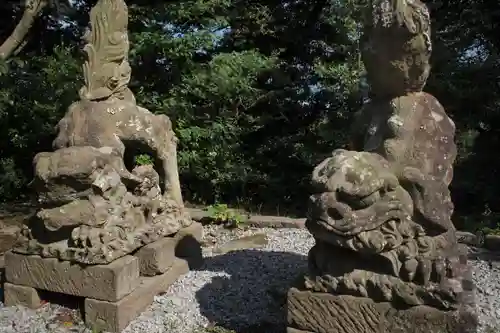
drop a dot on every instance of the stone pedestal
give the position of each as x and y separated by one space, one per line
116 293
314 312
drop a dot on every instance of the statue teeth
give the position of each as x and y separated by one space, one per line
363 239
410 268
362 291
439 268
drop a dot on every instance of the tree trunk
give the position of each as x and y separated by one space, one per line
15 41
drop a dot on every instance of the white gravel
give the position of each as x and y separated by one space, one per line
486 275
234 290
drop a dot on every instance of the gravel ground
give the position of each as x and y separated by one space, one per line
486 273
240 290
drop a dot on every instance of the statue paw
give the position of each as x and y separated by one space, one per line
90 237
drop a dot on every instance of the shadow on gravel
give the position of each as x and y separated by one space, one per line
251 296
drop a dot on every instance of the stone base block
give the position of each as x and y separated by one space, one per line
115 316
109 282
492 242
21 295
194 230
311 312
189 244
2 269
158 257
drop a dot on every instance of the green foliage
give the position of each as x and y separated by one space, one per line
221 213
258 92
143 159
33 97
488 222
211 121
11 177
4 67
491 231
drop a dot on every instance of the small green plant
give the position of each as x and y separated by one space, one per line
143 159
489 222
221 213
491 231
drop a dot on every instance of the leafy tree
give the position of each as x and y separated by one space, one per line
251 86
15 42
259 92
465 78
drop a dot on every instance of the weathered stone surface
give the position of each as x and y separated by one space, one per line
261 221
115 316
257 221
106 282
294 330
385 205
189 245
412 130
98 206
8 236
107 114
386 257
93 218
21 295
242 243
377 277
194 230
396 46
324 312
363 213
468 238
492 242
158 257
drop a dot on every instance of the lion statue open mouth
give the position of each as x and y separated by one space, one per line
361 210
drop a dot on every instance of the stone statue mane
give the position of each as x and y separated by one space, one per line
396 46
106 69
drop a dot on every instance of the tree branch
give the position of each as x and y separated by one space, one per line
15 41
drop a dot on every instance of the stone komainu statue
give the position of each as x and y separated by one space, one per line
381 212
95 210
